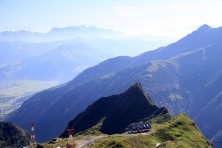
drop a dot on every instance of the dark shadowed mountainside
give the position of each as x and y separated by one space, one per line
13 136
115 113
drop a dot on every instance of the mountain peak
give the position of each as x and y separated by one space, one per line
136 92
136 85
80 29
204 27
115 113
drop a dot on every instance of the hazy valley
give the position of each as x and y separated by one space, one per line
31 62
181 77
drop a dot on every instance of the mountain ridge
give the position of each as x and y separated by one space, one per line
56 34
161 53
115 113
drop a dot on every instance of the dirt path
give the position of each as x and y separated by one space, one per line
87 141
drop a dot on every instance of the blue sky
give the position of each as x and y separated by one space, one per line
173 18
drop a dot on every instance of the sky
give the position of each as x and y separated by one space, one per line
169 18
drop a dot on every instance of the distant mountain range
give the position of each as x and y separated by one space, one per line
57 56
23 58
62 63
113 114
12 52
57 34
59 53
42 65
184 76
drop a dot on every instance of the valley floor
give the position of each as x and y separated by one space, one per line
14 93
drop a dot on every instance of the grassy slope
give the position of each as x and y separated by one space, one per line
179 132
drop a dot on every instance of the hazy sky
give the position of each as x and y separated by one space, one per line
153 17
